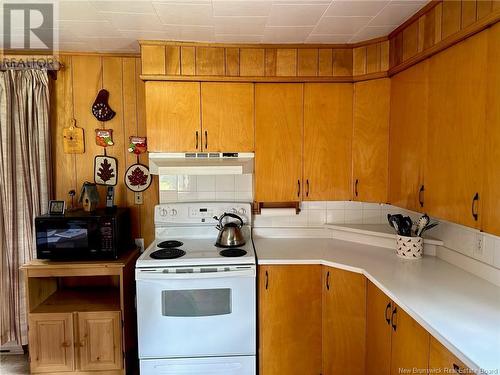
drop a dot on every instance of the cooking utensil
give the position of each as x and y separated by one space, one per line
230 234
421 224
429 226
395 221
405 226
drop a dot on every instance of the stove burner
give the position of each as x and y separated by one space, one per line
169 244
167 253
232 253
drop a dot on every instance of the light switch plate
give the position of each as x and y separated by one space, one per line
138 198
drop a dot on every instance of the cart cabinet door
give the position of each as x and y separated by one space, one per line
51 342
100 340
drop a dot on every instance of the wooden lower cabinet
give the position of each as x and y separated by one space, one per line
442 361
82 341
51 342
344 322
99 338
290 320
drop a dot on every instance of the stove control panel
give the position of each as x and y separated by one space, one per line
199 213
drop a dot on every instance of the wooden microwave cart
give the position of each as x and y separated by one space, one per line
81 316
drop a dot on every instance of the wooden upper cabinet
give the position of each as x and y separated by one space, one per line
370 145
51 342
100 340
491 191
455 142
227 115
278 142
378 331
442 361
344 322
290 320
408 127
173 116
327 141
410 343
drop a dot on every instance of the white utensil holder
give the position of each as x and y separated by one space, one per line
409 247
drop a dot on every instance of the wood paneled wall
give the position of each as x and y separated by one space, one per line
72 96
436 27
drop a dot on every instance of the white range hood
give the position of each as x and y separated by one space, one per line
201 163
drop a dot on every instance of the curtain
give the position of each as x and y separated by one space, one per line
25 186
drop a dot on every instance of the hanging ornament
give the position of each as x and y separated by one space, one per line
105 170
73 139
137 177
104 137
101 109
137 145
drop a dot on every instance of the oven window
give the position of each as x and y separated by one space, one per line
64 238
196 302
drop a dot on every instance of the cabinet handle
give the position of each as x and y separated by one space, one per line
196 140
267 280
394 314
387 309
420 196
298 188
356 187
474 206
307 187
328 280
206 139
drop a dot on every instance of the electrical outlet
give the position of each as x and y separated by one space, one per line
478 245
139 242
138 197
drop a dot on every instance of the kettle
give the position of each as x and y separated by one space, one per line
230 234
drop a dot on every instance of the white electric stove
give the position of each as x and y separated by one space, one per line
196 302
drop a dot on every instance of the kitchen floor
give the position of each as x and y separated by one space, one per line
14 364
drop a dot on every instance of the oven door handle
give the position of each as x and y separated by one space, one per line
155 275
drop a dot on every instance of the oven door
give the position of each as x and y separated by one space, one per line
196 314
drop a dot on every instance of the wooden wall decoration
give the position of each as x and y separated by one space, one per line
72 96
259 63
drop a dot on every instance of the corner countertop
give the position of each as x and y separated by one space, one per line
459 309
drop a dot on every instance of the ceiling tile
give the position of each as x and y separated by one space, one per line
341 25
370 32
295 15
277 34
89 28
393 15
110 43
184 13
75 46
356 8
301 1
134 21
241 8
240 25
240 38
328 38
193 33
77 11
123 6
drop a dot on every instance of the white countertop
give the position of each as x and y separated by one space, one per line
459 309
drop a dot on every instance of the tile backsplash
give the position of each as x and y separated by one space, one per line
189 188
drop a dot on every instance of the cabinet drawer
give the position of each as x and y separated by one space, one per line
443 361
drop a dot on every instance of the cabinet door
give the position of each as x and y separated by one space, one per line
290 320
442 361
454 167
344 322
410 343
378 331
100 340
227 116
370 144
327 141
51 342
173 116
278 142
491 199
408 127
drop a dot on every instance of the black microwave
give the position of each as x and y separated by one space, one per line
81 235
